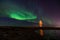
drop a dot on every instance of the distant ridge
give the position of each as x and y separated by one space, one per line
5 21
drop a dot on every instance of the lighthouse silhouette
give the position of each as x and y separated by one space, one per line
41 25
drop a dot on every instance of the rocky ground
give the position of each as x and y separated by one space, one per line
17 34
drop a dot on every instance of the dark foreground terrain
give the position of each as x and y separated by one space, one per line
18 33
10 33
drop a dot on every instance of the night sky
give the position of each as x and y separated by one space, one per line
52 9
41 8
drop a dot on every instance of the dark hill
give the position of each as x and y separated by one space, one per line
5 21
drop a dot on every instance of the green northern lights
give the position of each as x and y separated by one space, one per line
22 15
17 12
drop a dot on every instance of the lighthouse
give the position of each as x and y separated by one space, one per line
41 25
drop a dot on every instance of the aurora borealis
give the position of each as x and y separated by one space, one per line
18 13
22 15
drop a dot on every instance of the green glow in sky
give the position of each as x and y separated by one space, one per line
17 12
22 15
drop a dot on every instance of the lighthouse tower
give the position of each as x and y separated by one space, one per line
41 25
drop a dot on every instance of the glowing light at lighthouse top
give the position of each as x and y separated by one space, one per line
40 23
